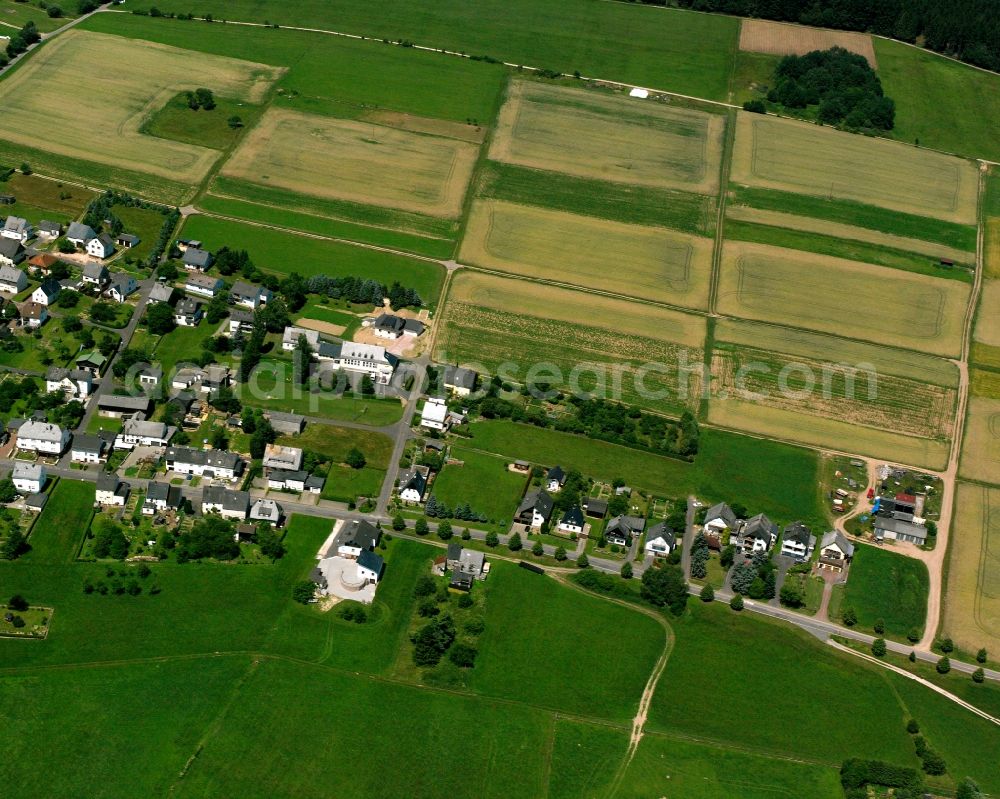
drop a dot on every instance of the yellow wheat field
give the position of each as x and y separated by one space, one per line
780 38
644 262
846 298
85 95
346 159
971 607
981 442
801 157
594 134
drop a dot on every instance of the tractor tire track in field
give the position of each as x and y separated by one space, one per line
639 722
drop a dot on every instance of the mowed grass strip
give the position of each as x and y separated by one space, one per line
59 530
482 481
637 205
801 157
858 214
886 585
582 340
778 668
407 733
971 607
836 350
840 230
597 134
643 262
832 295
283 253
356 161
42 107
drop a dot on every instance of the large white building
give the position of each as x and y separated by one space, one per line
367 359
49 439
141 433
75 383
228 504
28 478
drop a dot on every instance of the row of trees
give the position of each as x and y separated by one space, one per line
20 42
363 291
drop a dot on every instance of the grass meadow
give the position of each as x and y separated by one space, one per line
38 198
58 533
789 155
778 479
482 481
885 585
667 49
284 253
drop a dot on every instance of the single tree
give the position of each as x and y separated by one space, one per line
355 458
514 543
421 528
398 522
912 727
968 789
626 571
913 656
235 122
444 530
7 491
978 675
981 655
736 603
160 319
878 647
463 655
707 593
304 591
913 635
943 665
849 616
492 539
946 645
879 627
583 562
665 587
560 553
18 602
538 550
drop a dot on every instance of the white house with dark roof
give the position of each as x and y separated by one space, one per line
28 478
95 274
240 321
660 540
86 448
12 280
46 293
290 338
32 314
160 292
196 259
620 529
572 521
188 312
11 252
797 541
392 327
75 383
203 463
555 479
459 381
47 230
250 295
757 535
110 491
203 285
720 519
42 437
368 359
161 497
835 551
412 484
227 503
121 287
535 509
17 228
101 246
137 432
79 234
127 240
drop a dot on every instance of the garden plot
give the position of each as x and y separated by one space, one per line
359 162
594 134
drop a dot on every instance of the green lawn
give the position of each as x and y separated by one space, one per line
885 585
58 533
550 646
483 482
52 343
177 121
145 223
344 484
38 198
19 13
943 104
667 49
284 253
335 442
777 683
183 344
778 479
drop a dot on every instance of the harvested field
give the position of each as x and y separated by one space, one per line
349 160
981 443
779 38
832 349
744 213
971 608
474 134
593 134
819 432
329 328
831 295
804 158
644 262
987 330
44 109
992 242
583 342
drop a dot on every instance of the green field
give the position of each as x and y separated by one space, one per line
183 344
673 50
38 199
145 223
781 679
482 481
58 533
885 585
285 253
204 128
15 14
776 478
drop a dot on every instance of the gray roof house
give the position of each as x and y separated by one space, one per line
11 252
287 423
899 530
357 534
266 510
797 541
161 292
621 529
94 272
535 508
227 502
50 230
461 381
720 517
79 233
12 279
195 258
835 551
758 534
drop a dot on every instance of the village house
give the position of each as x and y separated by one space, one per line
92 361
367 359
595 508
555 479
161 497
434 414
86 448
160 292
183 245
42 437
137 432
28 478
797 542
12 280
297 480
466 566
188 312
240 321
215 463
249 295
42 263
111 491
660 540
47 230
267 511
277 456
214 377
572 521
121 287
101 246
74 383
116 406
36 502
127 241
757 535
835 552
227 503
357 536
535 509
11 252
149 376
18 229
620 529
203 285
389 326
286 423
290 338
719 520
195 258
32 315
46 293
79 234
413 484
460 382
95 274
893 529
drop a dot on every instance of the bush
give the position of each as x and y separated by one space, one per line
492 539
304 591
943 665
933 763
538 550
912 727
18 622
913 635
432 640
856 773
736 603
444 530
968 789
626 571
18 602
466 601
755 106
421 528
514 543
463 655
425 586
583 562
707 594
878 647
849 617
978 675
946 645
428 608
560 554
879 627
398 522
665 587
981 655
